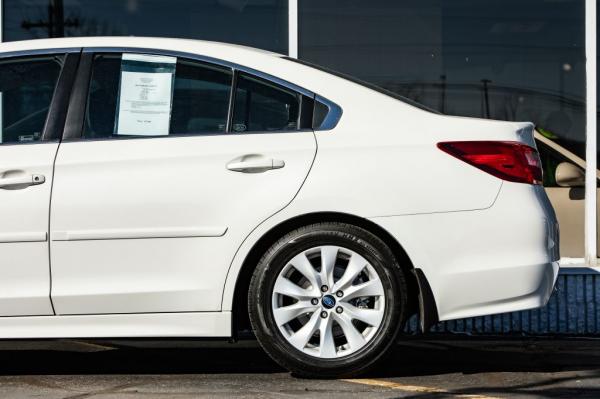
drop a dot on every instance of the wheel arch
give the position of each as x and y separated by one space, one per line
240 320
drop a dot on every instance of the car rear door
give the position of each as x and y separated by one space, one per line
34 89
163 171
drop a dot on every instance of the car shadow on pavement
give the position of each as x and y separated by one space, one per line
411 357
120 359
416 357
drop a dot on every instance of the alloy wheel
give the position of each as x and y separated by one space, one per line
328 301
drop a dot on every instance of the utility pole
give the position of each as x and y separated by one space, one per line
443 94
55 24
486 97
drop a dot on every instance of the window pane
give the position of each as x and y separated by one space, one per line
199 102
256 23
260 106
200 99
26 89
497 59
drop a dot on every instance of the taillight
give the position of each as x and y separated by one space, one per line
507 160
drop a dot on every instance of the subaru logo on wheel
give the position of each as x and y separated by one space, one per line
328 301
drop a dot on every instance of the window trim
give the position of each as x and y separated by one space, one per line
231 106
59 105
78 102
77 106
44 51
334 114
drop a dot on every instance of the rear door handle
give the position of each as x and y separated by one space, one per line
255 165
21 181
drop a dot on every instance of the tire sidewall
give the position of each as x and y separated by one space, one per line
366 245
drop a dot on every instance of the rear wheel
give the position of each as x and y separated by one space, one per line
327 300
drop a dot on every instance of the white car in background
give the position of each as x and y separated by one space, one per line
177 188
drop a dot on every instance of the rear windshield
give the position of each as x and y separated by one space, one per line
371 86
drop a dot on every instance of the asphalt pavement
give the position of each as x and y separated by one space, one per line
443 367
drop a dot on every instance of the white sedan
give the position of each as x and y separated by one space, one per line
177 188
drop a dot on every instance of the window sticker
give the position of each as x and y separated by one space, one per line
145 95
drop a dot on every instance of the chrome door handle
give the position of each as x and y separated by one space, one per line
255 165
21 181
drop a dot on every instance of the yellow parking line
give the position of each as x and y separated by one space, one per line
414 388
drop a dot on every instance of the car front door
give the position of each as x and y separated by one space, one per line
169 170
32 100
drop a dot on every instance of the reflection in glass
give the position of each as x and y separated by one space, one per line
498 59
257 23
26 89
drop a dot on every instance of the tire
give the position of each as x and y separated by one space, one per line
333 349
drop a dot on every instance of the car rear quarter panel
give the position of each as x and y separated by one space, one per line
382 160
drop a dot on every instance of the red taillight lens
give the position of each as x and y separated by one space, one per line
506 160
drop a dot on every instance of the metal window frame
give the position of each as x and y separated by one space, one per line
591 255
293 32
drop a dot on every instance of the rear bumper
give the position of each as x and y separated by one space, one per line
530 287
501 259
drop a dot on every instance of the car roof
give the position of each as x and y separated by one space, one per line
204 47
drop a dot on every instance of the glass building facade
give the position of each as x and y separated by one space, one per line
499 59
256 23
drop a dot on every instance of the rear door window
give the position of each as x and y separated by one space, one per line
133 95
261 106
145 95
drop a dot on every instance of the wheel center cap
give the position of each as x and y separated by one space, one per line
328 301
